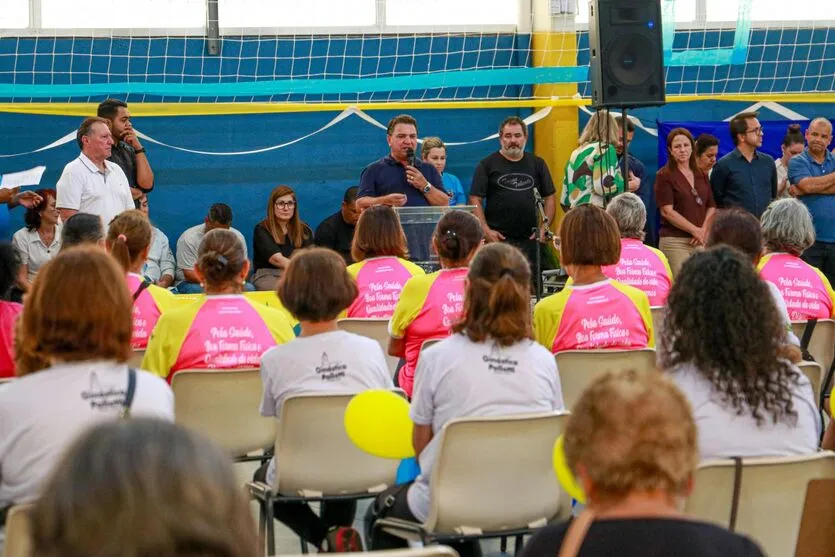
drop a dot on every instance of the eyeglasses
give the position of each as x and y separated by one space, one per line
285 204
758 131
699 200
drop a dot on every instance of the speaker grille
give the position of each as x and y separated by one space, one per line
631 60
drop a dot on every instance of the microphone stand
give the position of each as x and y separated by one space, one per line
540 206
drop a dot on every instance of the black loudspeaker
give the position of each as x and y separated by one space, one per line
627 59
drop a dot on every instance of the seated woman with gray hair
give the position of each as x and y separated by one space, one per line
641 266
631 441
788 231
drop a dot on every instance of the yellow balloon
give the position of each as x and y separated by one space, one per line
377 422
564 474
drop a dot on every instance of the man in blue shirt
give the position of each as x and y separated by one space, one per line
401 178
745 177
812 179
637 173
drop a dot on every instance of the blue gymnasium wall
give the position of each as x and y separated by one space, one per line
320 168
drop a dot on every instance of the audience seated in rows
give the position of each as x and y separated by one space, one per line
490 367
641 266
223 330
276 238
143 487
434 152
71 351
337 231
82 229
38 241
323 359
593 311
633 445
219 217
160 267
740 229
381 269
129 241
9 310
723 345
788 232
431 304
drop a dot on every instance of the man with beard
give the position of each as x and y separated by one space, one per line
812 178
127 151
506 180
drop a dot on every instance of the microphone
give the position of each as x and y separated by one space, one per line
410 157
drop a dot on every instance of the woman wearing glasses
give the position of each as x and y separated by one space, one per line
277 237
682 193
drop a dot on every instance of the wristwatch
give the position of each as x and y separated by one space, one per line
139 151
427 188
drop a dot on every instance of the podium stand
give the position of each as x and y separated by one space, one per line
419 223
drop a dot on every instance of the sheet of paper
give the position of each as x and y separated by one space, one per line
31 177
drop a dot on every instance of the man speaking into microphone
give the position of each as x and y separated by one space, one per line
401 179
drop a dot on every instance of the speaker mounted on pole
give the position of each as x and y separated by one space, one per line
626 50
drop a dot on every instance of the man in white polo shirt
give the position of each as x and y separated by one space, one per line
91 183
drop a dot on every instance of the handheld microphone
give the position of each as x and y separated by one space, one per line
410 157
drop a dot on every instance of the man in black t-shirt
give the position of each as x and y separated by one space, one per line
506 179
337 231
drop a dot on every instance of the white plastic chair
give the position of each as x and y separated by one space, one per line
578 368
316 461
762 497
377 329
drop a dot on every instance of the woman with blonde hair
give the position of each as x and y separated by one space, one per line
592 174
129 241
433 150
490 366
224 329
72 347
632 443
381 268
276 238
143 487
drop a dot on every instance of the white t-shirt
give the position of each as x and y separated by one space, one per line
459 378
791 338
724 434
41 414
85 188
333 362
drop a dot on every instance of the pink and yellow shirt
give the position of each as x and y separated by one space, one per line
643 267
606 314
380 281
428 307
806 291
146 309
215 332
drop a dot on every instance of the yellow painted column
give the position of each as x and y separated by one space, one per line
556 135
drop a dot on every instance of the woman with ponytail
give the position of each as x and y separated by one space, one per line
431 304
129 241
490 367
223 330
593 312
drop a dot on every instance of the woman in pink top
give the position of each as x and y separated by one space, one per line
9 311
129 241
641 266
430 304
788 231
381 270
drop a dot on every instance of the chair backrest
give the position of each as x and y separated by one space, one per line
658 313
496 473
578 368
224 406
377 329
814 372
315 455
822 344
136 357
18 532
772 494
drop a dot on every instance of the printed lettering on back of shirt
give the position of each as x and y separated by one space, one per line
330 370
